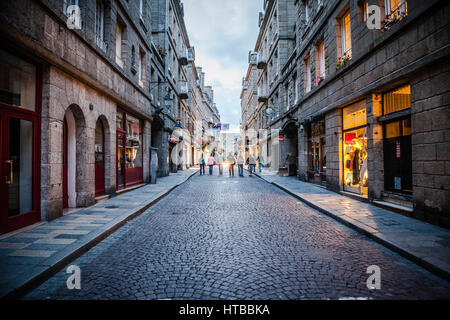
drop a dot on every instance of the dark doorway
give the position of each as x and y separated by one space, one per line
397 156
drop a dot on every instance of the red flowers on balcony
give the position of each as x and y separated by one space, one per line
343 60
395 16
319 79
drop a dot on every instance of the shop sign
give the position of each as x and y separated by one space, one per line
397 150
269 112
348 138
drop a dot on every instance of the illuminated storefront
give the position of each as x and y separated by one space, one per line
129 150
354 147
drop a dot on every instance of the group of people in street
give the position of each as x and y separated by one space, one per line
230 160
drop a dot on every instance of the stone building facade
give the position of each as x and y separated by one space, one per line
368 108
85 100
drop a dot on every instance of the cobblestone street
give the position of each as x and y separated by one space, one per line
238 238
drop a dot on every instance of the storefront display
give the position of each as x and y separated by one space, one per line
355 149
129 150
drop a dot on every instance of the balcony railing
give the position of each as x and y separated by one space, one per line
183 89
191 54
262 61
183 59
244 84
262 95
395 15
253 58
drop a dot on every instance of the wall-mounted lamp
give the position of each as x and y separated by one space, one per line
91 106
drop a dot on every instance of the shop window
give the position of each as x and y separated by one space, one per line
133 152
17 82
397 100
355 149
354 116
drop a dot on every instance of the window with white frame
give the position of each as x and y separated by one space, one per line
307 79
346 38
141 8
119 35
365 10
307 13
288 98
141 67
320 70
396 9
100 25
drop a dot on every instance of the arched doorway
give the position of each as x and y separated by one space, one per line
99 159
74 179
69 161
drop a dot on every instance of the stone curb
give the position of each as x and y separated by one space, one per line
388 244
54 264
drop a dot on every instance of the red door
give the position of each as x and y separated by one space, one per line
99 159
19 196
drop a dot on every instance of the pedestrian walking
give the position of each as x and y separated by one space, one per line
202 165
220 163
251 161
231 162
240 162
211 163
260 163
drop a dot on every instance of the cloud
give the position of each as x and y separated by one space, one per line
223 32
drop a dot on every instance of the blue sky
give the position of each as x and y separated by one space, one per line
223 31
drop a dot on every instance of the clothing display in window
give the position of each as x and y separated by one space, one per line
355 152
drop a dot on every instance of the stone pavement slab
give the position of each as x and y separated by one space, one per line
31 256
423 243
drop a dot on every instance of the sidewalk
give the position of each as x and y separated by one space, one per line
31 256
423 243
